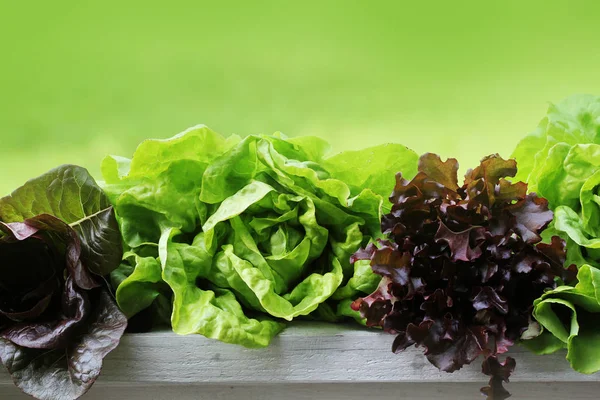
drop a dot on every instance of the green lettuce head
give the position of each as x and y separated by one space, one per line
560 161
244 234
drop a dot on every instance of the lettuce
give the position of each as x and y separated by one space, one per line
58 240
244 234
462 265
560 161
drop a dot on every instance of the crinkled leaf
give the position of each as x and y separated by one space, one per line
461 266
481 183
574 121
463 245
213 313
561 162
160 185
444 172
259 278
531 217
245 230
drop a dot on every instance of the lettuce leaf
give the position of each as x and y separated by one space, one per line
576 120
561 162
569 317
158 188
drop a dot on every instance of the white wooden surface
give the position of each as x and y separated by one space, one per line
310 361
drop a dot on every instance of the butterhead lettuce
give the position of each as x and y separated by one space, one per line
560 161
247 233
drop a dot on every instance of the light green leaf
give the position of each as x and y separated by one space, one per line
363 282
373 168
214 313
561 162
574 121
570 314
141 285
159 187
566 220
238 203
230 172
590 203
526 150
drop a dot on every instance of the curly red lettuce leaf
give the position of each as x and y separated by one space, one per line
462 265
499 373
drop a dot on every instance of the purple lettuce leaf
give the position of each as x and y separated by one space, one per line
67 373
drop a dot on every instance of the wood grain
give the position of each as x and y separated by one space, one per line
314 361
330 391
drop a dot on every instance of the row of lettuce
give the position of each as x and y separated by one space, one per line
231 238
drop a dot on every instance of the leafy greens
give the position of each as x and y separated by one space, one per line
461 265
57 318
247 233
561 161
570 318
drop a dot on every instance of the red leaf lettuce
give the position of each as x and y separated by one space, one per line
58 319
462 265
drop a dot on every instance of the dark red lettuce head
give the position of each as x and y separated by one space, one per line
462 265
58 319
43 282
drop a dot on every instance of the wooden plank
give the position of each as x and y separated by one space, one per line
310 353
331 391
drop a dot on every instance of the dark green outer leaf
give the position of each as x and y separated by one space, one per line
67 374
71 194
67 192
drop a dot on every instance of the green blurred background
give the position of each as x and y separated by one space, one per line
82 79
